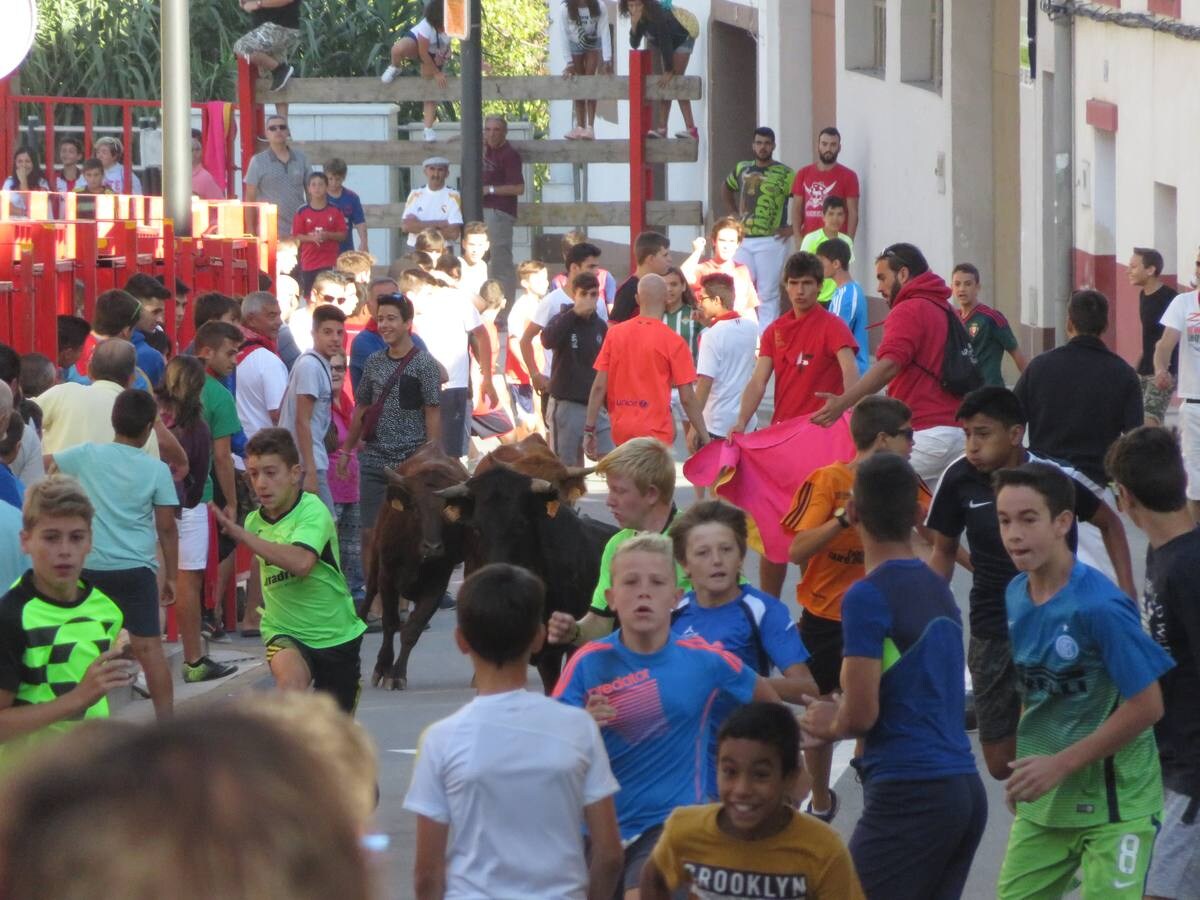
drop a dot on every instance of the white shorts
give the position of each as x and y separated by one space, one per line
933 451
193 538
1189 428
1175 866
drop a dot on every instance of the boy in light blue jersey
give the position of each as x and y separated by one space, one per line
653 695
847 301
710 543
1086 783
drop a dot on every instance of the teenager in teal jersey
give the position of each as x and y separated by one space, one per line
312 632
59 636
1086 784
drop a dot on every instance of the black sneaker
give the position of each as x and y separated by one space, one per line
205 669
211 628
828 815
280 76
447 601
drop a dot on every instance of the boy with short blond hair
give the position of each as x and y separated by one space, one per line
59 636
537 748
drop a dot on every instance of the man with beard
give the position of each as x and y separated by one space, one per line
824 178
756 193
909 359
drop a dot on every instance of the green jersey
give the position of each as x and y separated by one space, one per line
219 411
810 243
763 194
991 337
315 609
599 601
1078 656
681 322
46 646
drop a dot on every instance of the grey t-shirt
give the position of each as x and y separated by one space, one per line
401 427
311 377
280 183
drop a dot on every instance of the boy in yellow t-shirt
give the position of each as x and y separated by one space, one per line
754 837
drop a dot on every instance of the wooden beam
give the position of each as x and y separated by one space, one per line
660 213
411 153
407 89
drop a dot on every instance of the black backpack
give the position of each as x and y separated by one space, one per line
960 371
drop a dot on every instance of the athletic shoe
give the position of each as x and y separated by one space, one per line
447 601
389 74
657 133
828 815
430 134
205 669
211 628
573 134
692 134
280 76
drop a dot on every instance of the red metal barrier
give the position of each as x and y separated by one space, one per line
641 119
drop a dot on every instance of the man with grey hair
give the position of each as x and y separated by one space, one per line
261 375
433 206
641 360
277 174
503 182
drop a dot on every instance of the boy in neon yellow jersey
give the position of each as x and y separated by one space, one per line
60 644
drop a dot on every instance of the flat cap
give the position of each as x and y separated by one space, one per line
436 161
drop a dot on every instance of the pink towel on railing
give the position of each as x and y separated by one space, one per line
217 116
761 472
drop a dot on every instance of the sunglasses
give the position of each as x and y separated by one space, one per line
277 128
338 368
906 433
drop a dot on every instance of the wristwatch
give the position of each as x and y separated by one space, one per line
840 515
491 189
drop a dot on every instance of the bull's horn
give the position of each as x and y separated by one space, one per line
541 486
580 471
454 492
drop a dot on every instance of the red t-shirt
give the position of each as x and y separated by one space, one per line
322 254
814 186
914 337
85 355
644 359
804 355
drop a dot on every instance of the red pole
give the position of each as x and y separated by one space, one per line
247 113
640 121
127 142
48 135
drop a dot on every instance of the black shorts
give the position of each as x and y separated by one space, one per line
994 682
823 640
336 670
135 591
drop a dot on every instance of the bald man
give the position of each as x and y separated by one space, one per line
640 362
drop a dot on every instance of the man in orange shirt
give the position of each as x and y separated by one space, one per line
639 363
831 553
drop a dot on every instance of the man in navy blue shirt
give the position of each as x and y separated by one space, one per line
924 807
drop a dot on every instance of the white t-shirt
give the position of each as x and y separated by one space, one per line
484 771
443 322
728 353
549 307
433 206
1184 316
439 41
473 276
261 381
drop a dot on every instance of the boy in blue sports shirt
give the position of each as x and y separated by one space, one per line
652 694
710 543
1086 783
924 807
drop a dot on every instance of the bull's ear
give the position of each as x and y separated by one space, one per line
574 494
454 511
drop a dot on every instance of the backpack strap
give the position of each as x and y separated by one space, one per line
764 661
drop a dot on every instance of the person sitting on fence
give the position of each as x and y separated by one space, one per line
111 154
70 155
26 176
673 33
274 37
204 185
428 44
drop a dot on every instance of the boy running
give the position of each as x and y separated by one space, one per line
652 694
475 837
1151 487
309 625
59 636
753 843
1086 784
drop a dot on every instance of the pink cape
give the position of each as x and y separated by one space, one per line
761 472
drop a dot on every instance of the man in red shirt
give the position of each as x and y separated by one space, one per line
909 360
639 363
824 178
320 227
810 351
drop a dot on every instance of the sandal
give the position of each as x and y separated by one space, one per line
689 133
658 133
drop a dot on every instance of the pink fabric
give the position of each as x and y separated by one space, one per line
216 129
761 472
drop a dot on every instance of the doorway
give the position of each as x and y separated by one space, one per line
732 105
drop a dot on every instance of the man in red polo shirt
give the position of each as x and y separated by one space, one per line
810 351
640 361
909 360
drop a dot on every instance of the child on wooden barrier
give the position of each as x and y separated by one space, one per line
585 25
428 44
673 33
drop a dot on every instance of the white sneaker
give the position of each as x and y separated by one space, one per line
389 74
430 134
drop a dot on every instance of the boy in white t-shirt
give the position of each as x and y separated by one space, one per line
1179 322
728 348
479 770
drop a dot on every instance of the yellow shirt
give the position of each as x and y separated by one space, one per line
74 414
806 860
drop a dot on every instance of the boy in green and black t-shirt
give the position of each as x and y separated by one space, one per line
59 648
312 632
